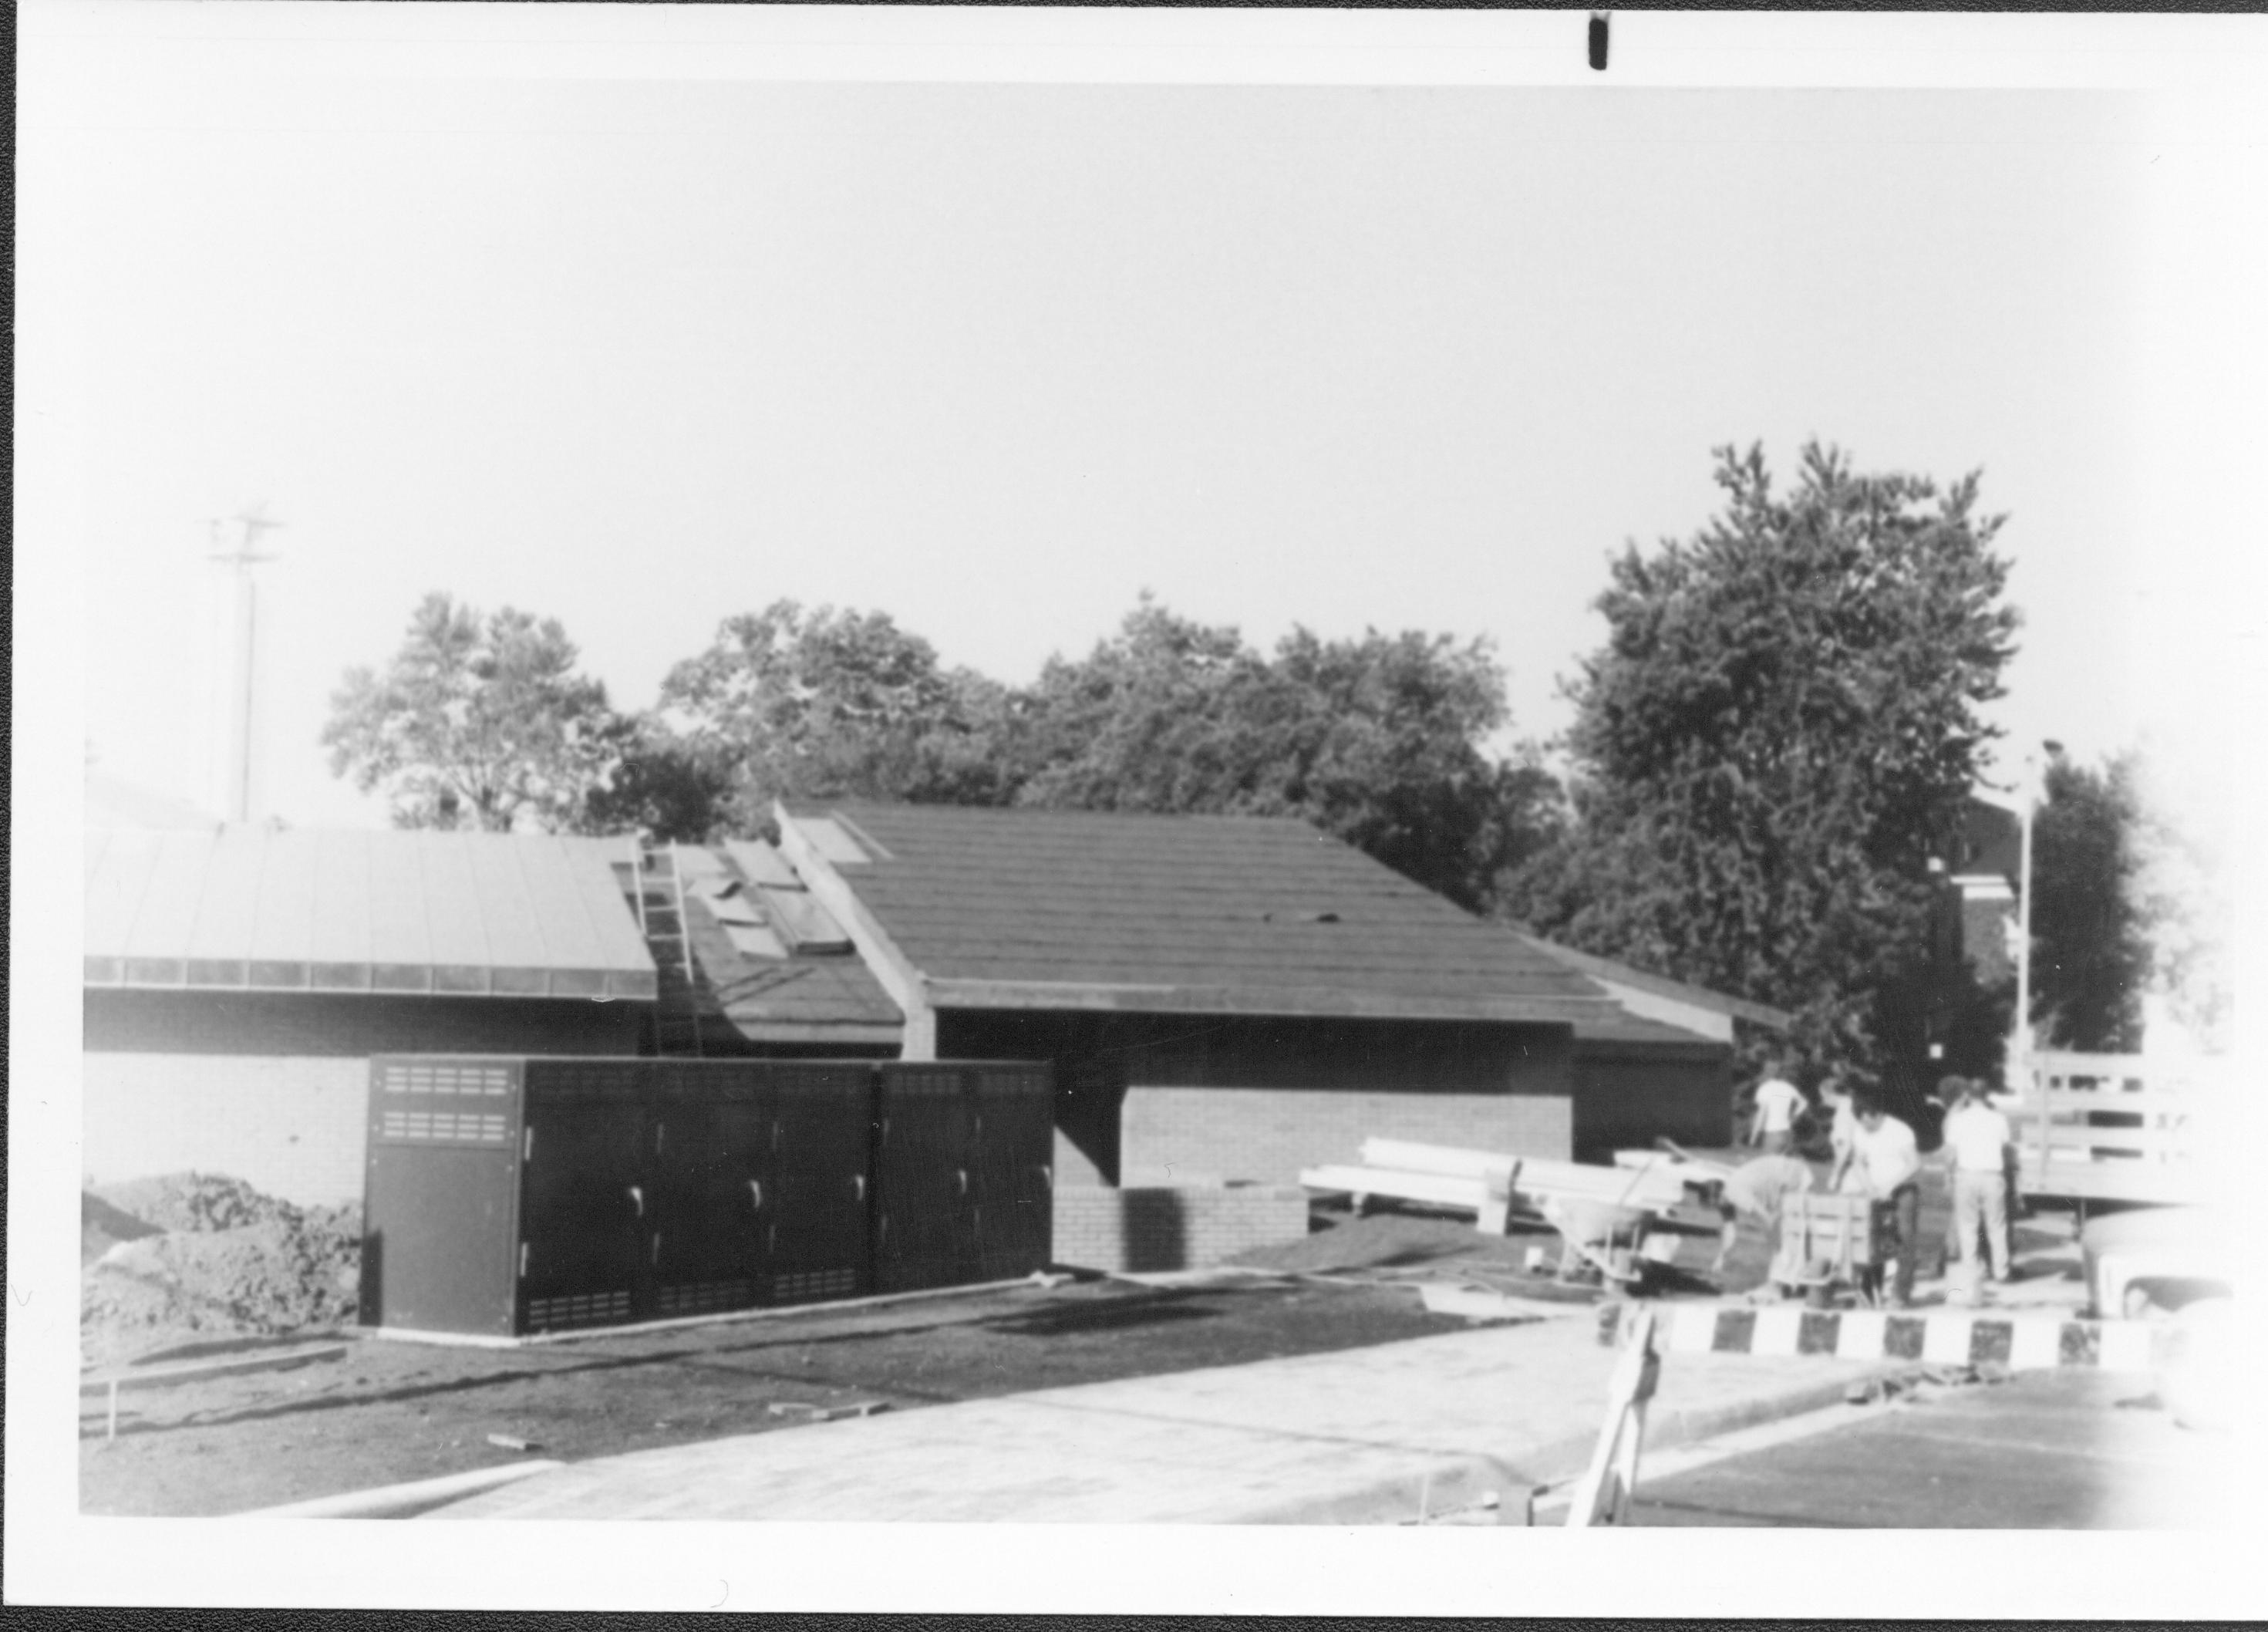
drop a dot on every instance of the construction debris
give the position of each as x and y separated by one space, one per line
805 1411
1490 1184
1606 1215
1910 1383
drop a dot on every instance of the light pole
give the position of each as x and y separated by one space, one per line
236 797
2030 793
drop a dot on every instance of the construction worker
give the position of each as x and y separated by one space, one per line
1978 1146
1843 1121
1756 1190
1884 1164
1778 1102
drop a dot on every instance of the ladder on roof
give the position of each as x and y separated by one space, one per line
657 897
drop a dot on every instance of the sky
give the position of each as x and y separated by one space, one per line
995 359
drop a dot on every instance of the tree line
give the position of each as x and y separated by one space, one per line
1770 748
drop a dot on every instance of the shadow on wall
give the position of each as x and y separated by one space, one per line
1157 1232
1153 1228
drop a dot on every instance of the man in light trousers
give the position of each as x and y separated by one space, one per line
1978 1144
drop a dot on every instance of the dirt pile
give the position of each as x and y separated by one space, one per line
222 1259
102 1227
193 1202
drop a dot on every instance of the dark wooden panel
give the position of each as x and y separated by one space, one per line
821 1126
1012 1133
709 1156
925 1187
584 1208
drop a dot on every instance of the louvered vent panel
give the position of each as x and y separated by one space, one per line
454 1080
702 1297
814 1283
588 1309
444 1103
443 1127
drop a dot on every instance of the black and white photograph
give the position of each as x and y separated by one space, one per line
1134 810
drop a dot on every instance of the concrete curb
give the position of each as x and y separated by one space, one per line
1455 1482
405 1500
731 1317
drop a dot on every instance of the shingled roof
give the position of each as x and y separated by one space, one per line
766 968
1607 969
1038 909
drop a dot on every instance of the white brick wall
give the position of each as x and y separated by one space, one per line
1156 1228
1268 1134
289 1124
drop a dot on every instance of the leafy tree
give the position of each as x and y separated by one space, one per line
2090 950
826 703
1783 721
1376 740
663 786
477 722
2186 907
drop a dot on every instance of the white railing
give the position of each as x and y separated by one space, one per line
2108 1117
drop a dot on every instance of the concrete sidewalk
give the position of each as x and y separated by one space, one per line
1367 1436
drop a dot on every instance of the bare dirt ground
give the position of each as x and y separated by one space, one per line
392 1411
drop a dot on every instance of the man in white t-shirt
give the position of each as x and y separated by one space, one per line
1778 1103
1978 1144
1756 1190
1884 1164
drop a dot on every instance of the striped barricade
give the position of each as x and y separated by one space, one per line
2020 1342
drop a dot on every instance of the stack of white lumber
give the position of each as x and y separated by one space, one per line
1471 1180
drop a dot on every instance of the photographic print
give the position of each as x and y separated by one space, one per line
1217 798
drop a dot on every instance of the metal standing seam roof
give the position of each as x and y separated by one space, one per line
1219 914
477 914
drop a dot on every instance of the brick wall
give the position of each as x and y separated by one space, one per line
1290 1071
1268 1135
1156 1229
291 1125
272 1088
1073 1166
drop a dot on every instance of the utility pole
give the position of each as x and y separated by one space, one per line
2032 793
236 802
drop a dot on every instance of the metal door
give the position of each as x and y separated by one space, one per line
585 1205
925 1187
1012 1139
441 1180
821 1120
707 1151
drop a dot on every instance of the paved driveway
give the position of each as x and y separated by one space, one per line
2072 1450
